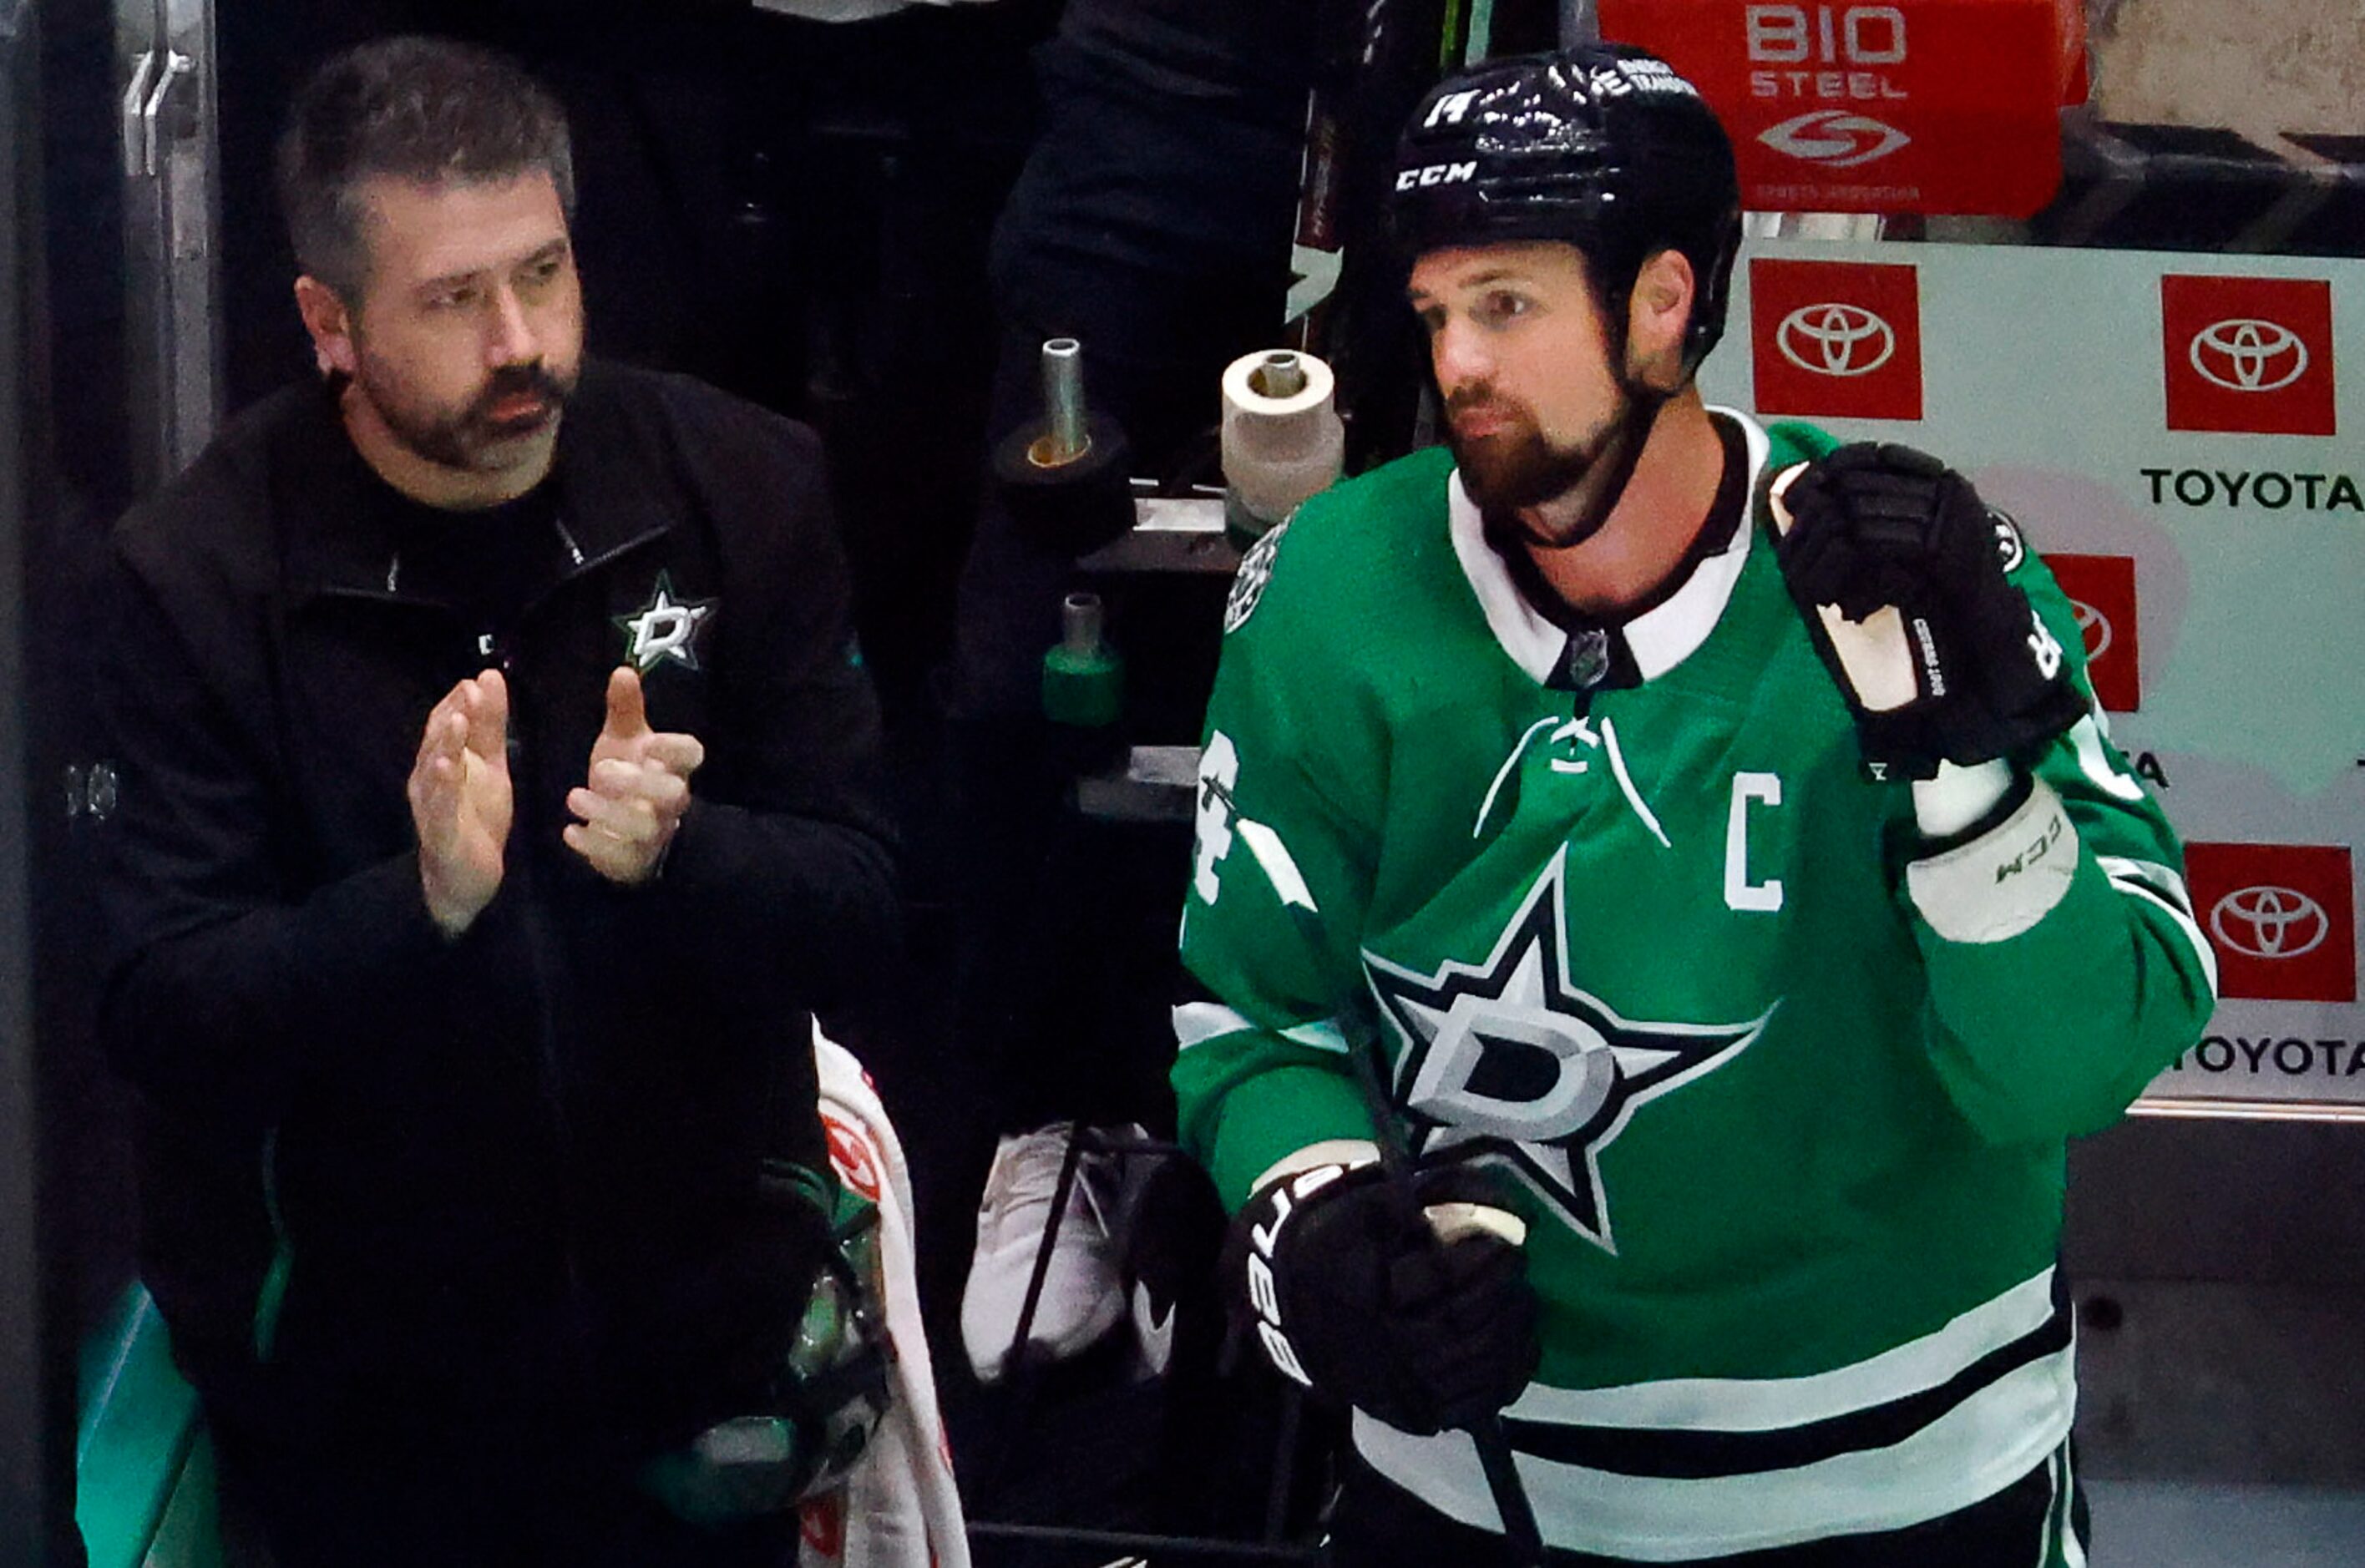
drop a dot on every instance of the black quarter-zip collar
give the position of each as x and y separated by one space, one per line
608 474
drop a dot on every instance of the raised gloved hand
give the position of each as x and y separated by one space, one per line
1369 1302
1898 567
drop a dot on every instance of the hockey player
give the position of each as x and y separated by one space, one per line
1712 831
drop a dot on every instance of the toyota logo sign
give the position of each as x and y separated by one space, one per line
2269 922
2092 625
2101 594
1832 339
1836 338
2249 355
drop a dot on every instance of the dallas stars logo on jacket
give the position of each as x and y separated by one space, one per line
1509 1059
665 628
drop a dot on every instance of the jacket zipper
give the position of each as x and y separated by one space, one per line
492 648
541 978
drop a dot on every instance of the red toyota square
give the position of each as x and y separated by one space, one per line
2283 917
1840 338
2250 355
2101 589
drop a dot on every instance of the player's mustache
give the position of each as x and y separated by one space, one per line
1474 399
514 380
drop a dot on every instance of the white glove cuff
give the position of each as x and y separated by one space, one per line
2004 881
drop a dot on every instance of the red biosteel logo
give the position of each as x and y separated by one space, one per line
2251 355
1836 338
2101 589
1840 106
2281 916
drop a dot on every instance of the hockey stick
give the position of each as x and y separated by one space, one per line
1494 1446
1362 1034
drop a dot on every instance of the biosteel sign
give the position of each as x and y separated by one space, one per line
1918 105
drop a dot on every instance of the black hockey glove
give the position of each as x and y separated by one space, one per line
1362 1302
1963 670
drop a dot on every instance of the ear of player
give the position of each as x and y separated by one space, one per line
1899 570
1424 1321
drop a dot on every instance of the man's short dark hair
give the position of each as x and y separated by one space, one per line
414 108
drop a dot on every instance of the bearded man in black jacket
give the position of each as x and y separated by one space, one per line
498 789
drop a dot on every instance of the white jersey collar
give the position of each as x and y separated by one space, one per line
1660 638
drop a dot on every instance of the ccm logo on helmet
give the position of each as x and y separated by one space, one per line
1437 174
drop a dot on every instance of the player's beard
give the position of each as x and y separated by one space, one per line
1511 471
470 437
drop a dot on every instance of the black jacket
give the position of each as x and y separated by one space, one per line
515 1173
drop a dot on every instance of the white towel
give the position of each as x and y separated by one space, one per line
899 1508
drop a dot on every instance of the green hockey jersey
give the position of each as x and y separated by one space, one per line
1782 1095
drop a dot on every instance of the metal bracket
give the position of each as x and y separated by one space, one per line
1159 784
137 163
151 114
2195 1108
1170 533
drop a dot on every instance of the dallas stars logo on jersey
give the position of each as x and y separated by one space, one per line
1248 582
665 628
1509 1060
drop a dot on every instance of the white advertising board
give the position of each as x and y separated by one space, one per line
2169 429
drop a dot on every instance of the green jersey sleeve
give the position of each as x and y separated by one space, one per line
1291 772
2065 966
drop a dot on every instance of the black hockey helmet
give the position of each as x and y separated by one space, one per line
1602 146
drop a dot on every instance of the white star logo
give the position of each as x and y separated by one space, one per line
1509 1060
666 628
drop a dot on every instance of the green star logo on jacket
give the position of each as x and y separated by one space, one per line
665 628
1509 1060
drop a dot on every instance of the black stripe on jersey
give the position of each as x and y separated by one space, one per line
1699 1455
1189 988
2159 880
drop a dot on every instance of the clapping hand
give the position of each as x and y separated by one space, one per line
460 800
632 802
